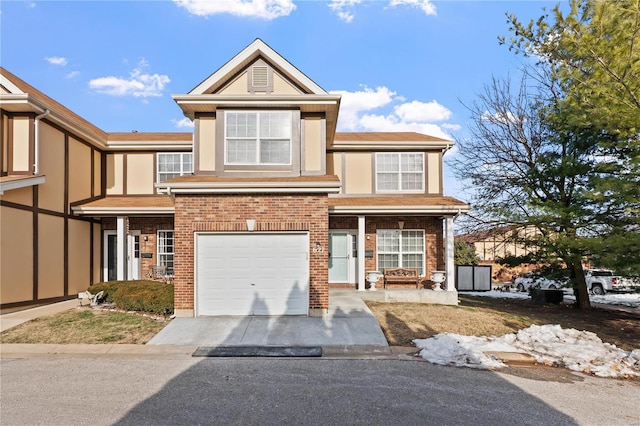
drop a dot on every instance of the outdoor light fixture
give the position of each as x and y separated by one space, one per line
251 225
401 224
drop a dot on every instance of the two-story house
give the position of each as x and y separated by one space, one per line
259 211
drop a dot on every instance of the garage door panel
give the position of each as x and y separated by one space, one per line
252 274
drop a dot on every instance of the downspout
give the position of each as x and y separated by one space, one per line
36 148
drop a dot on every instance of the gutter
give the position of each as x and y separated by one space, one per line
36 162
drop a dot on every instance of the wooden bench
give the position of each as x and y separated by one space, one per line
401 276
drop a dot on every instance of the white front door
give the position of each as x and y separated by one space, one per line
252 273
110 258
342 257
133 255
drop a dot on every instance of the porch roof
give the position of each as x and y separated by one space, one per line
144 205
400 205
19 181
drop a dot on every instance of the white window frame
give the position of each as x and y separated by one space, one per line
400 253
400 172
183 169
160 255
258 138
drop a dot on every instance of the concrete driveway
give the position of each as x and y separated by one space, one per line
348 324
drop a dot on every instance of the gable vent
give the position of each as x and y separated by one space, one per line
260 76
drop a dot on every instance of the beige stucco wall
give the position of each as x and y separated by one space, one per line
21 145
51 256
5 141
79 171
20 196
97 247
313 152
238 86
97 173
281 86
334 166
433 173
51 193
140 173
207 144
359 175
16 255
115 164
79 255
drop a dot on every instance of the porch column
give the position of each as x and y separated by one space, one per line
361 242
121 247
448 255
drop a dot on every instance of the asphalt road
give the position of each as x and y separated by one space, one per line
182 390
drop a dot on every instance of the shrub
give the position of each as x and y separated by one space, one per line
145 296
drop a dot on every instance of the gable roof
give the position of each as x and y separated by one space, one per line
256 49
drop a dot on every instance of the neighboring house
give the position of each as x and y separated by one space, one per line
496 243
259 211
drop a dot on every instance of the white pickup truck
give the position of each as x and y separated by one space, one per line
600 281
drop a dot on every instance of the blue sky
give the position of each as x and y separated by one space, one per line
400 65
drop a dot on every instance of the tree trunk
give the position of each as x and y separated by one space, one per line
580 285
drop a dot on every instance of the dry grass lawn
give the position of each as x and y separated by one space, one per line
482 316
85 325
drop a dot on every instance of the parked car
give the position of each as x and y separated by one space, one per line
601 281
535 280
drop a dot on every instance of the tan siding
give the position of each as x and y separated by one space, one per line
5 141
16 259
79 171
51 256
97 251
334 166
313 144
140 174
51 193
97 173
238 86
358 173
433 170
207 144
22 196
115 164
283 87
21 145
79 255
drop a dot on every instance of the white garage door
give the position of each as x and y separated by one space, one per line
252 274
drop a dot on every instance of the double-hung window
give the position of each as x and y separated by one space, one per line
401 249
258 138
166 250
174 164
400 171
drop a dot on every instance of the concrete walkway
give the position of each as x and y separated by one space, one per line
13 319
349 326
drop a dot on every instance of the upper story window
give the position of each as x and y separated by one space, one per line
400 171
258 138
174 164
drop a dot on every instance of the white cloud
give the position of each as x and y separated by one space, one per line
342 8
56 60
425 5
263 9
381 110
353 104
422 111
72 74
139 84
183 123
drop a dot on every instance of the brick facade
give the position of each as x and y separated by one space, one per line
272 213
433 235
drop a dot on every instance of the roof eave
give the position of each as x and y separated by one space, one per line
399 210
